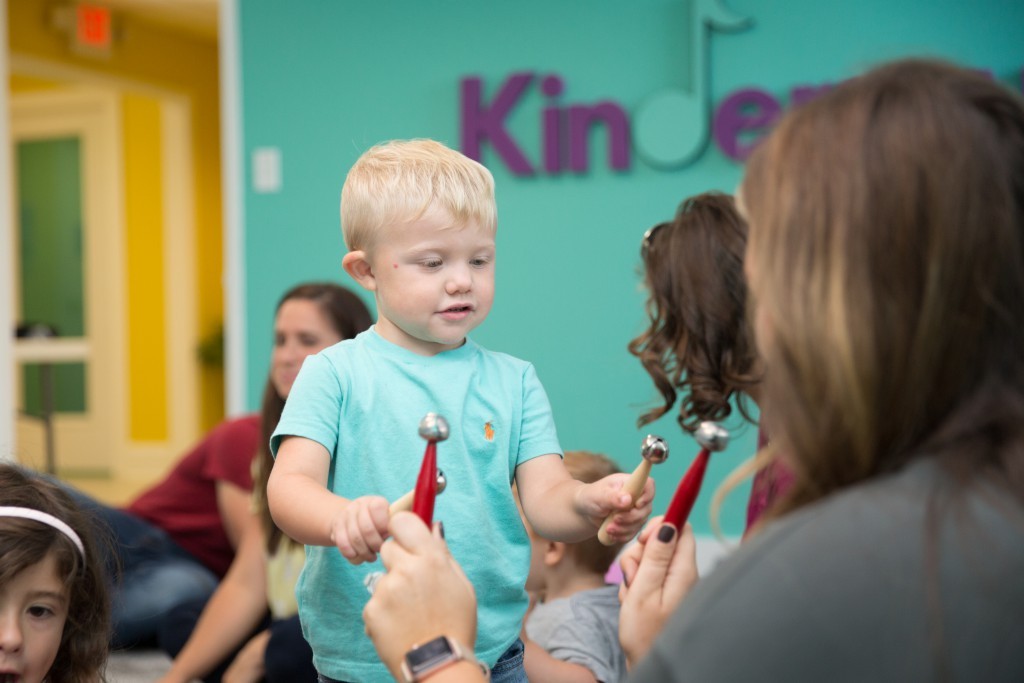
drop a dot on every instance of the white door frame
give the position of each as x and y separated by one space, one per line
93 117
94 114
232 181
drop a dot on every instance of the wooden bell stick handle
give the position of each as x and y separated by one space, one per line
634 487
403 504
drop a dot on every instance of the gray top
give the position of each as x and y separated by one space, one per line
582 629
900 579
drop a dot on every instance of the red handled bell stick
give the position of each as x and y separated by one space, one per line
653 450
433 428
404 503
712 438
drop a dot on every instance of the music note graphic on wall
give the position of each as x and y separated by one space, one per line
672 126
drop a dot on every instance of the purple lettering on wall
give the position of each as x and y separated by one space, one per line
551 124
615 119
745 112
738 124
481 123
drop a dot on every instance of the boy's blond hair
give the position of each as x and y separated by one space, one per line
589 467
399 180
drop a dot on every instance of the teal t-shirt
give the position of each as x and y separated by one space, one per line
363 399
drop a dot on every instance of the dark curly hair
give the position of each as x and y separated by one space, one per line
698 343
85 641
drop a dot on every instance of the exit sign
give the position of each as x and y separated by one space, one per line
92 27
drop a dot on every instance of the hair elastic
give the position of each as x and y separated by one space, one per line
45 518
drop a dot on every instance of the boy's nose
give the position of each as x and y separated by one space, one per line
459 280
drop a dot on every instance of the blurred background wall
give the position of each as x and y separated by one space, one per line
597 118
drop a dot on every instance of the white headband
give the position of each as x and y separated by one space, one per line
45 518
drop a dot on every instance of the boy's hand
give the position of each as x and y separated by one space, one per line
360 529
607 497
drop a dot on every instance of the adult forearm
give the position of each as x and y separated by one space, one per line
227 620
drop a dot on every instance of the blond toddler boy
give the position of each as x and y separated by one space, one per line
419 220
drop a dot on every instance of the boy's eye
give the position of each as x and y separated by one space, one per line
432 263
40 611
479 262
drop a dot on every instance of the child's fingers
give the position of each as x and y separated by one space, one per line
364 528
625 525
609 496
371 520
646 497
358 551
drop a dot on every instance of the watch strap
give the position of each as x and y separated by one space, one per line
413 672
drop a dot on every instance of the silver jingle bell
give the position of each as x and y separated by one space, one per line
712 436
433 427
654 449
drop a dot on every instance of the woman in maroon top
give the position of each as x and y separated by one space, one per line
176 540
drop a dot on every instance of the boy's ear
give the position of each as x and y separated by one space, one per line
357 265
554 553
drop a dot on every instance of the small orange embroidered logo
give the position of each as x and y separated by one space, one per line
488 431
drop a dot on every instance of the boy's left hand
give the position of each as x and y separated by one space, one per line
606 497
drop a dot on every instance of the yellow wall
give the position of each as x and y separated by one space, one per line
144 268
29 84
144 57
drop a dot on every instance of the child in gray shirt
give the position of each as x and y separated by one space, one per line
573 628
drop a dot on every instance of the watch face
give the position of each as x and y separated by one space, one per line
427 655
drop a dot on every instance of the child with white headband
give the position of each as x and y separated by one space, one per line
54 609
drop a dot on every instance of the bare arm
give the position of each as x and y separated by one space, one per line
307 511
236 607
563 509
541 665
233 507
249 666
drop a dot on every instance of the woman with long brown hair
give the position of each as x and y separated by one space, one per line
886 259
232 635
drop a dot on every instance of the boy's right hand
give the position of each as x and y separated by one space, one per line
360 529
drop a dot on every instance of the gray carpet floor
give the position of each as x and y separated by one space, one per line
137 666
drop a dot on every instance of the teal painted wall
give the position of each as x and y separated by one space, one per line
323 80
